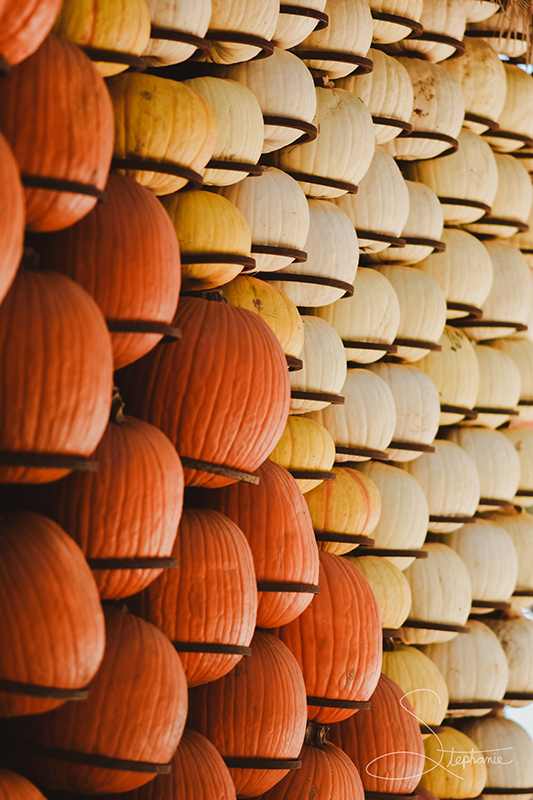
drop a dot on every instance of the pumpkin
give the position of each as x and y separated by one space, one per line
455 765
255 712
190 17
521 437
499 387
337 642
244 395
447 19
381 206
343 149
515 633
349 31
417 408
24 26
384 741
332 257
519 94
450 482
474 667
284 88
239 123
403 521
15 787
163 121
519 526
390 586
524 239
438 108
68 143
521 351
514 769
277 212
12 217
463 271
208 225
479 10
350 506
387 92
324 366
420 679
441 592
241 19
106 25
141 688
455 372
275 520
512 202
126 255
54 644
385 30
57 396
469 175
372 315
208 605
366 421
305 446
505 32
293 28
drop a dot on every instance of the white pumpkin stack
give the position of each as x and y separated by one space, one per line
324 368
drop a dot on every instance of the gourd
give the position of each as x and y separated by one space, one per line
519 526
446 18
305 446
514 744
499 387
293 29
243 18
521 437
519 94
453 778
190 17
515 633
324 366
521 351
512 202
390 586
416 673
24 27
386 31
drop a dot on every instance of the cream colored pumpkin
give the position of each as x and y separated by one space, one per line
438 108
293 28
422 309
450 483
512 201
521 437
469 174
403 521
463 271
304 445
240 126
390 587
421 681
381 205
455 372
387 91
441 17
332 252
479 10
342 150
521 351
324 365
501 31
365 421
519 526
349 31
515 633
474 667
388 31
515 116
425 220
372 314
499 386
276 210
417 407
245 17
524 239
351 504
181 16
455 766
283 87
496 461
504 737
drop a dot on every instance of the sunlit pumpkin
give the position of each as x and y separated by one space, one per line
459 777
390 586
305 446
420 679
24 26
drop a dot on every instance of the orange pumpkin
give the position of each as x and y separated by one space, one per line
221 394
56 114
274 518
129 727
15 787
384 742
208 605
255 716
337 641
24 24
12 214
126 255
51 626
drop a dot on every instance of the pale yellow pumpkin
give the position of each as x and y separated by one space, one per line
519 526
515 633
291 28
521 437
524 239
390 587
521 351
455 766
324 365
185 16
246 17
387 31
515 116
504 737
506 33
305 445
499 386
479 10
512 201
442 17
421 681
206 223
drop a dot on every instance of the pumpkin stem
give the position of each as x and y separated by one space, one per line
316 735
117 408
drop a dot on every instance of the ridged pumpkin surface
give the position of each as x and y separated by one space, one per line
51 627
421 681
509 739
258 709
385 31
12 217
15 787
255 17
56 115
337 639
292 29
515 633
191 17
304 445
221 394
274 518
24 26
211 597
324 365
135 711
126 255
460 777
390 586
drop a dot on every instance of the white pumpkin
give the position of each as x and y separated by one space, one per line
283 87
324 365
417 407
387 92
512 201
441 592
181 16
372 315
519 526
244 17
332 253
499 387
438 108
516 637
342 150
470 174
506 33
293 28
479 10
521 437
441 17
521 351
276 211
381 206
515 116
524 239
498 736
386 31
450 483
403 521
